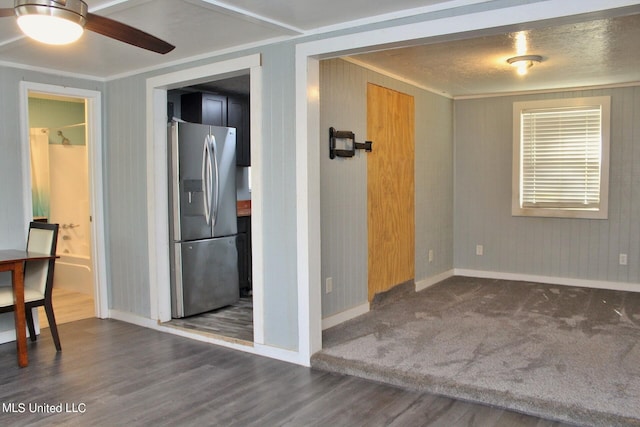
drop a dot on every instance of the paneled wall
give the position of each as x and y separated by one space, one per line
126 192
562 248
279 197
343 196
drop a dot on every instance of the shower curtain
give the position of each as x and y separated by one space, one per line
40 187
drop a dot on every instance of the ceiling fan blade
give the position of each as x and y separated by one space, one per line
7 11
124 33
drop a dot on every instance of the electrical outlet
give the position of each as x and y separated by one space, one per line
479 250
328 286
430 255
623 259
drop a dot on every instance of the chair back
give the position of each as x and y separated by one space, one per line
38 275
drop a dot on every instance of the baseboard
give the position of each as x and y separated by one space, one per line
343 316
281 354
10 334
284 355
562 281
133 319
336 319
430 281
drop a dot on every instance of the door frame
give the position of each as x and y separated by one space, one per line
93 111
157 182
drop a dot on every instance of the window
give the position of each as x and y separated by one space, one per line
561 158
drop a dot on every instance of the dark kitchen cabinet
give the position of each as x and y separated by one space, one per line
238 117
221 110
244 254
205 108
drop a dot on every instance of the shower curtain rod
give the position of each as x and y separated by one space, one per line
69 126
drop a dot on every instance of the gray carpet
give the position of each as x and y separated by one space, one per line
564 353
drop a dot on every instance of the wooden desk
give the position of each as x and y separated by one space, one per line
13 260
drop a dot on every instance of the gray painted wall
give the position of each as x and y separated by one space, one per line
565 248
125 182
343 105
127 190
126 193
279 195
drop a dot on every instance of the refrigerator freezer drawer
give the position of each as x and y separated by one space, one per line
205 276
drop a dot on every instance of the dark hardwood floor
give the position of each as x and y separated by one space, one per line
114 373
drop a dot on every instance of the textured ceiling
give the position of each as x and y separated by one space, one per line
598 52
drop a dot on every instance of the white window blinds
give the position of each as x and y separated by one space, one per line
561 157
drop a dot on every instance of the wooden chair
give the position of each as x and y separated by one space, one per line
38 279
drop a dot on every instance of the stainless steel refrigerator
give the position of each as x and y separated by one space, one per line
203 219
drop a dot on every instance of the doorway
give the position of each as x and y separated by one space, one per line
62 156
220 103
60 194
159 271
390 189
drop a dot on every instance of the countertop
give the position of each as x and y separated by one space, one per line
243 207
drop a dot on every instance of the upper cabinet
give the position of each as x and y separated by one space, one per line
238 117
205 108
221 110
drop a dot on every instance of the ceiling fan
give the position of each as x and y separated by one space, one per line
75 16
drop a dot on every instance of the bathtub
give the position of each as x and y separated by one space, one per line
74 273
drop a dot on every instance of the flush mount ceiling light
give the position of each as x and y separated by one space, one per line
524 62
63 21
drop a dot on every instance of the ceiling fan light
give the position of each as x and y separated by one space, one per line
52 21
50 29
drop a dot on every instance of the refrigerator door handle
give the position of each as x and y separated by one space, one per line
206 179
216 186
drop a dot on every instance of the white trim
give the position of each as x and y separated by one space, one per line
307 121
355 61
10 334
282 354
93 101
543 91
48 71
308 204
134 319
157 180
562 281
600 105
359 310
343 316
157 205
257 219
430 281
252 16
257 349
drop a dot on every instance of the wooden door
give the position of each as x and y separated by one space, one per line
390 188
